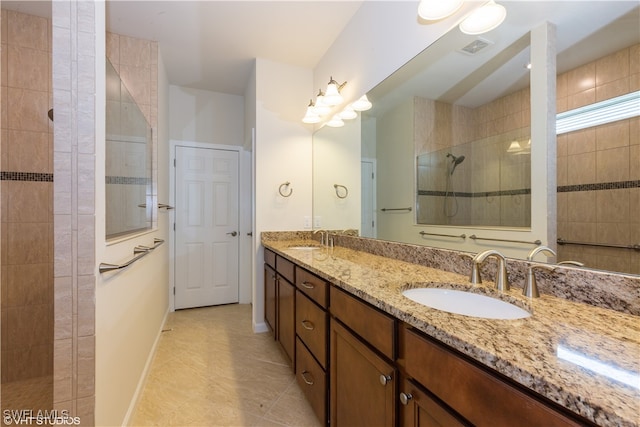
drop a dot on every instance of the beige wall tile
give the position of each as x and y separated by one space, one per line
615 233
135 52
612 67
612 89
27 284
28 202
113 49
581 79
612 135
26 244
634 206
27 110
28 151
27 30
4 51
137 81
612 165
634 162
28 68
581 169
634 131
3 25
86 366
63 370
613 205
562 171
581 232
581 141
581 99
581 207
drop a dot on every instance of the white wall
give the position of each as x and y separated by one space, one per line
282 153
206 116
131 304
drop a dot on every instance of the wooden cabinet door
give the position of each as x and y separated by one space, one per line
270 298
286 317
363 385
419 409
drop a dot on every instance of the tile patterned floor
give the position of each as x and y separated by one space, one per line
210 369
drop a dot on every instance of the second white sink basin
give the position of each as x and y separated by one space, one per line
466 303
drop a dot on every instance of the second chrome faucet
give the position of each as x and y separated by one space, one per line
502 279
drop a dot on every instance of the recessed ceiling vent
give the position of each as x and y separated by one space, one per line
475 46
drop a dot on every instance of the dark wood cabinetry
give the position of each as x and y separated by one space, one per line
473 392
418 408
311 342
363 378
363 384
360 366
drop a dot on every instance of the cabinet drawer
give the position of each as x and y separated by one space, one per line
311 327
480 397
315 287
312 380
285 268
270 258
375 327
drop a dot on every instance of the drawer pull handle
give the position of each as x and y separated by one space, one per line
405 398
308 285
384 379
308 325
304 377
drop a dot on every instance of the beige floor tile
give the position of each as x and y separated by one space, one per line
210 369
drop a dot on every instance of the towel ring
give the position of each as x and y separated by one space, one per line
346 191
285 185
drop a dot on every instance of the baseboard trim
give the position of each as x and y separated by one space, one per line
145 372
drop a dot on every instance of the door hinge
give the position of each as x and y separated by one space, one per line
174 163
174 226
174 290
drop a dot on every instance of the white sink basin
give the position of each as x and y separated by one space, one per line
466 303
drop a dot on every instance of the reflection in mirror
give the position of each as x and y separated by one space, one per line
336 184
598 46
128 162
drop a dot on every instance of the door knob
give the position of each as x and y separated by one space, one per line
233 233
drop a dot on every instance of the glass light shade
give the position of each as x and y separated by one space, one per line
321 108
514 147
335 122
311 116
362 104
332 95
484 19
433 10
348 113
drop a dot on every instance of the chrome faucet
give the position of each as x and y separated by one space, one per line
502 280
324 235
573 263
537 250
531 287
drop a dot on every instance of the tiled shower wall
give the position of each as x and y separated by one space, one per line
599 167
27 199
492 185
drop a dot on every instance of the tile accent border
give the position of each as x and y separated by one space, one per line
26 176
599 186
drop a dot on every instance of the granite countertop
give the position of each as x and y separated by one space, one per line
543 352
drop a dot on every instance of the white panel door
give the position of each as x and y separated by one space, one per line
206 232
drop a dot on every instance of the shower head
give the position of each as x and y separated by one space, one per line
455 161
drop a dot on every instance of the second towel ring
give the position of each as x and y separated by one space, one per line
283 186
346 191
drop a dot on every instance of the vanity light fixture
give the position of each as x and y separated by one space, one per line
484 19
311 116
321 108
332 96
335 122
348 113
514 147
432 10
362 104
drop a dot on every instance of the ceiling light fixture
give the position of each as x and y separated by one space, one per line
432 10
321 108
484 19
332 96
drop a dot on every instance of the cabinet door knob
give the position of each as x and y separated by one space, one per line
307 285
384 379
304 375
308 325
405 398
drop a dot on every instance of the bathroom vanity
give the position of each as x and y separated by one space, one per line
365 354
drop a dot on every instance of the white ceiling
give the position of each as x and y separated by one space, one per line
211 44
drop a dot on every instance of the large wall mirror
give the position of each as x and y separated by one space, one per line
129 207
448 145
